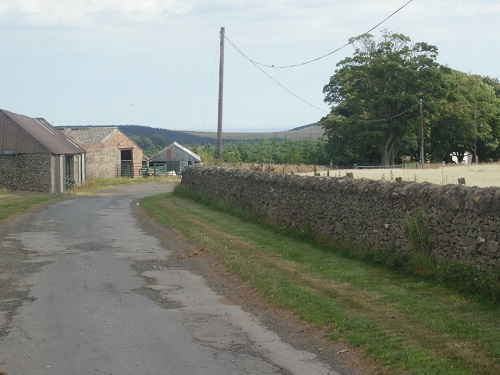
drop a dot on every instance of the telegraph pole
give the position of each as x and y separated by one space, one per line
475 160
422 152
221 95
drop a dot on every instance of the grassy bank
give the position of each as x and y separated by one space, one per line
13 203
96 185
406 324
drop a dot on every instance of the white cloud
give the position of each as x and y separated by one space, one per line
88 12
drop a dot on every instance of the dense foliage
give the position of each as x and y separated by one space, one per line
375 98
451 128
269 151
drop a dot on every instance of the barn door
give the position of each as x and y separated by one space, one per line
69 172
126 163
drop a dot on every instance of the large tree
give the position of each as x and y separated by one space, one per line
452 121
375 94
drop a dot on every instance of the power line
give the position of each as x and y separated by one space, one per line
387 118
326 55
305 101
272 79
259 65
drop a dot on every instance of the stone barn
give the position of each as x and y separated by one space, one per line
110 153
35 156
175 157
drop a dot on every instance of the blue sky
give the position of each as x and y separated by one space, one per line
155 62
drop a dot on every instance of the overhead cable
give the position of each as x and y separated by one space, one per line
272 79
329 53
387 118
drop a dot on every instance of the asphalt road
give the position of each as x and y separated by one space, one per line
84 290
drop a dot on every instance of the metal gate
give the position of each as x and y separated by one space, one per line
124 170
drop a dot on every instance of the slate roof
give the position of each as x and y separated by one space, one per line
45 134
90 135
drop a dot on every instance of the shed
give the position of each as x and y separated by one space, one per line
110 153
175 157
35 156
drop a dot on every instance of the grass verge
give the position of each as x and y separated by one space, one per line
13 203
17 202
95 185
406 324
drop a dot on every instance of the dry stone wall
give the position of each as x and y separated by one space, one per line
463 222
27 172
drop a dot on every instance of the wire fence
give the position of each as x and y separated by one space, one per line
394 166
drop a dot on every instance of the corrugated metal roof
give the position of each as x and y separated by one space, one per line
90 135
166 155
45 134
193 154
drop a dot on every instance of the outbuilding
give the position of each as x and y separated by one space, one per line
110 153
175 157
35 156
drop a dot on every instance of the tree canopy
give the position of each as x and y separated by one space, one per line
375 116
452 125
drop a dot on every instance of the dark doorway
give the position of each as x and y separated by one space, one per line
126 163
69 172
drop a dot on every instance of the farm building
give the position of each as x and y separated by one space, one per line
175 157
110 153
35 156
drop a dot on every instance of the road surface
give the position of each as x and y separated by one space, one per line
84 290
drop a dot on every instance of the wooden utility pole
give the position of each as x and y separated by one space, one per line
475 159
221 95
422 151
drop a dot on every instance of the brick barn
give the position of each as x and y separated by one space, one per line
35 156
110 153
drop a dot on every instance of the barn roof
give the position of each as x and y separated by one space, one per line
163 154
185 149
45 134
90 135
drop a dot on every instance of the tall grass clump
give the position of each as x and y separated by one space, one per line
416 231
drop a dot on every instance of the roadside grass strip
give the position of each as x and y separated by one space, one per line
406 324
97 185
11 203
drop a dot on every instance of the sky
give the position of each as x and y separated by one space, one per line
156 62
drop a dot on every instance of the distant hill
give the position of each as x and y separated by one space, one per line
309 127
170 136
163 137
307 131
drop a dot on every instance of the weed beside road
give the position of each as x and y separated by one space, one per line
406 324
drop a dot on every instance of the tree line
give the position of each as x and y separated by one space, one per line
269 151
375 115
